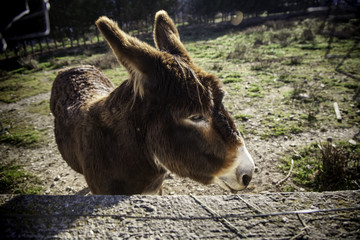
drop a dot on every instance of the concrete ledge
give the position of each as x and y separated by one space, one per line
328 215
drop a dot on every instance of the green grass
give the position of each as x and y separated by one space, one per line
232 78
14 180
42 107
25 84
117 75
281 129
245 131
21 134
255 91
242 117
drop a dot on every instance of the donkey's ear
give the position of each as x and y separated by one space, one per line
134 54
166 35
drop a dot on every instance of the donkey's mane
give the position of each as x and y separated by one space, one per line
189 73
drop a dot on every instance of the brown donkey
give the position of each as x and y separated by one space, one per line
168 116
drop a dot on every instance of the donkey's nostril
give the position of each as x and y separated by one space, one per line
246 179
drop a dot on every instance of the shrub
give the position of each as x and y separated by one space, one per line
217 67
106 61
307 36
340 167
327 166
29 62
294 61
59 63
238 53
284 38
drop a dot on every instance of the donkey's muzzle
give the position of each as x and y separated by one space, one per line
238 177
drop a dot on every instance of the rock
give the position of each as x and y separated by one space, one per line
148 208
353 142
304 96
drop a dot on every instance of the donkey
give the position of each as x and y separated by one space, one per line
168 116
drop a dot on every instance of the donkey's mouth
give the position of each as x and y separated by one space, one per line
223 184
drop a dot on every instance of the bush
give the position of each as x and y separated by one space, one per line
106 61
238 53
327 166
283 38
59 63
340 167
29 62
307 36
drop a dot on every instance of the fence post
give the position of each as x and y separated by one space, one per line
32 47
84 38
63 42
97 36
47 43
24 46
39 42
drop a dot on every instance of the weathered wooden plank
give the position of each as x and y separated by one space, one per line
337 112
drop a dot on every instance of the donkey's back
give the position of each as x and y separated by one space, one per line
75 88
73 91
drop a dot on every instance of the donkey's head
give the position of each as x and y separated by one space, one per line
186 127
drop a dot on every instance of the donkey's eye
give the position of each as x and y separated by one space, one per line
197 118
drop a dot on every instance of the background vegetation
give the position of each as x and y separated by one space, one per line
72 21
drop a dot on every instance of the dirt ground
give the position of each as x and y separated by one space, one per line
59 179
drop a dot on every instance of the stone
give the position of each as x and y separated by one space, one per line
353 142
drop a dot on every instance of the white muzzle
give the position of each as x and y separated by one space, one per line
239 176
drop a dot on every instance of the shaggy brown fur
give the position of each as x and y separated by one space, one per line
168 116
